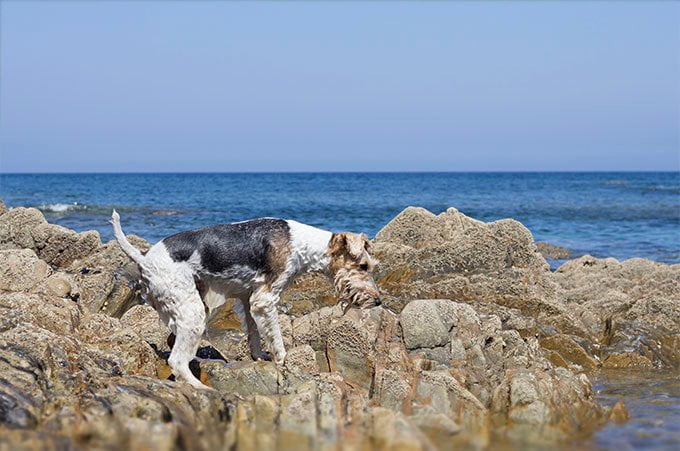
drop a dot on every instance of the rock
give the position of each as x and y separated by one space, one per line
60 285
308 293
547 406
437 427
551 251
631 306
626 360
443 393
144 321
26 228
299 367
452 256
312 329
569 350
350 346
87 380
50 313
297 419
243 378
21 270
393 430
619 413
108 279
3 207
427 322
133 355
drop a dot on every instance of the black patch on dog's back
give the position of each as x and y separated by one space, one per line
223 246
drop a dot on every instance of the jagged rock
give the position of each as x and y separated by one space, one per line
26 228
243 378
308 293
547 406
427 322
393 430
350 346
438 428
21 270
47 312
568 350
630 307
144 321
3 208
312 329
551 251
108 279
452 256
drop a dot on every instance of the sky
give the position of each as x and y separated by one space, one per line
218 86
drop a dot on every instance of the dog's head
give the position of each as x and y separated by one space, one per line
352 270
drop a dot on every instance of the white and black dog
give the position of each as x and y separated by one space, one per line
188 276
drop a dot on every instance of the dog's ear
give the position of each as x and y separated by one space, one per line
367 244
352 243
338 243
356 244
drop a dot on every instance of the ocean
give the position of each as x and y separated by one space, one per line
605 214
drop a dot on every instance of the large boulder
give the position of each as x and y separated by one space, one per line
21 270
101 277
453 256
108 280
632 308
26 228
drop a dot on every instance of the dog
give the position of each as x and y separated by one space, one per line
189 275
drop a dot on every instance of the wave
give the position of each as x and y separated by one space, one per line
62 208
76 207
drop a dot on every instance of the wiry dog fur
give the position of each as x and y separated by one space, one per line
188 276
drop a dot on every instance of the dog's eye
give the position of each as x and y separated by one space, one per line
363 266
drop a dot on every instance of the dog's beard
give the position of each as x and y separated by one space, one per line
355 289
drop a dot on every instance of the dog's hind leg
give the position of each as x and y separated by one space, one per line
254 340
263 309
189 325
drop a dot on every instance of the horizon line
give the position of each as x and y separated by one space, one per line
580 171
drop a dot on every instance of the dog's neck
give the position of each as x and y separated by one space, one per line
309 247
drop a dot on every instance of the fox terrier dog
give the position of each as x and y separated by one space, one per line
190 275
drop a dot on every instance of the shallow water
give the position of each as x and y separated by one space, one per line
653 400
619 215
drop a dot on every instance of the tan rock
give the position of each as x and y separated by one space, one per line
144 321
393 430
626 360
350 346
619 413
570 350
551 251
26 228
21 270
243 378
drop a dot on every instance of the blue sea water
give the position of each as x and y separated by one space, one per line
622 215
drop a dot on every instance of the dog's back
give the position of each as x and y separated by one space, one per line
223 250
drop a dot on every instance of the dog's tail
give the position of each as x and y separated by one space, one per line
128 248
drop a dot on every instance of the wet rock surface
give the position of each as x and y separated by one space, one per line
480 343
551 251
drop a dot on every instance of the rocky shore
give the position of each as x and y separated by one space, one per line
479 344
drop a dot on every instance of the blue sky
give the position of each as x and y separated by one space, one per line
336 86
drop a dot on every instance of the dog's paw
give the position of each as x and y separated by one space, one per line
262 355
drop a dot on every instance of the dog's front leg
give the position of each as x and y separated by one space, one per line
263 309
248 323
